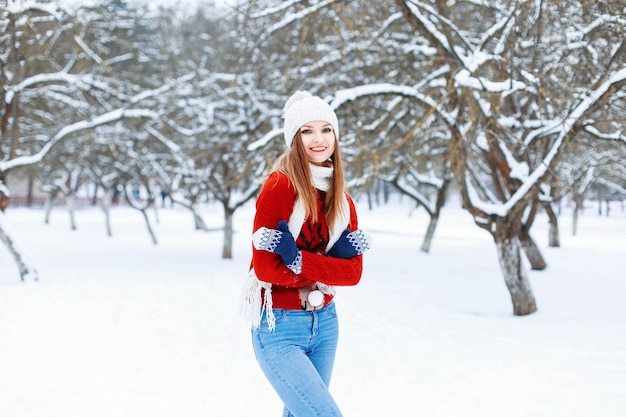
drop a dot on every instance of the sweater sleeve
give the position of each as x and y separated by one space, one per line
275 203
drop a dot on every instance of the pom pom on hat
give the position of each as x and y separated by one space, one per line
301 108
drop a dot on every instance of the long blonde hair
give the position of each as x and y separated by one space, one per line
295 164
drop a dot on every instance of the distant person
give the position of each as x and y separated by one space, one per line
306 241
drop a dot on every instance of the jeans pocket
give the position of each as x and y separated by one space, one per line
329 310
280 315
263 337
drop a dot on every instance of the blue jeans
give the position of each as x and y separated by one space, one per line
297 359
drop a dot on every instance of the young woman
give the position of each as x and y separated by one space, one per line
306 241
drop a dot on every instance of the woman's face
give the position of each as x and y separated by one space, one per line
318 139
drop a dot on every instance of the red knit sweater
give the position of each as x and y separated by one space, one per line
275 203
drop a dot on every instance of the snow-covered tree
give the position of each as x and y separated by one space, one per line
510 124
55 83
501 78
217 118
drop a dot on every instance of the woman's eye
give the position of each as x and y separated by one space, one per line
305 131
327 130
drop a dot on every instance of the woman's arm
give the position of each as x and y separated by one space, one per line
275 203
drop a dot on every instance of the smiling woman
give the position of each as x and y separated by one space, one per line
306 241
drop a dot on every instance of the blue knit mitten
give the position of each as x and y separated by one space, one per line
350 244
279 241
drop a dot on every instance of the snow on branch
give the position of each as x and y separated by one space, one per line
465 79
576 36
87 49
109 117
272 10
586 180
177 152
118 59
20 7
4 190
83 81
412 191
351 94
438 35
611 185
505 25
562 130
430 27
427 179
519 170
171 145
387 23
580 110
274 133
237 199
165 87
619 136
293 17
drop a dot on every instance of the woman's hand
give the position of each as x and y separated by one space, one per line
280 241
351 244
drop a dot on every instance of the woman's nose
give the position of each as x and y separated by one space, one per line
317 136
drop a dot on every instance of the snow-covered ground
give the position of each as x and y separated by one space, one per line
118 327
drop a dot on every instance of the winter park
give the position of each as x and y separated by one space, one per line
483 145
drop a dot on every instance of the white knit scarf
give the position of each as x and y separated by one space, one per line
251 300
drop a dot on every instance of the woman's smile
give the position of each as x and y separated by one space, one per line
318 139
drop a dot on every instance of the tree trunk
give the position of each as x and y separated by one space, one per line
198 221
26 272
4 200
575 220
29 195
553 231
434 217
157 219
227 252
430 233
149 226
533 254
142 208
531 250
71 203
48 205
106 205
515 275
370 202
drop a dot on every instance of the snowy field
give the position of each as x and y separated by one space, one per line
118 327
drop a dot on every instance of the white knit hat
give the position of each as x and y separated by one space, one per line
301 108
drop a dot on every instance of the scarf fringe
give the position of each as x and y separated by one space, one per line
252 303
